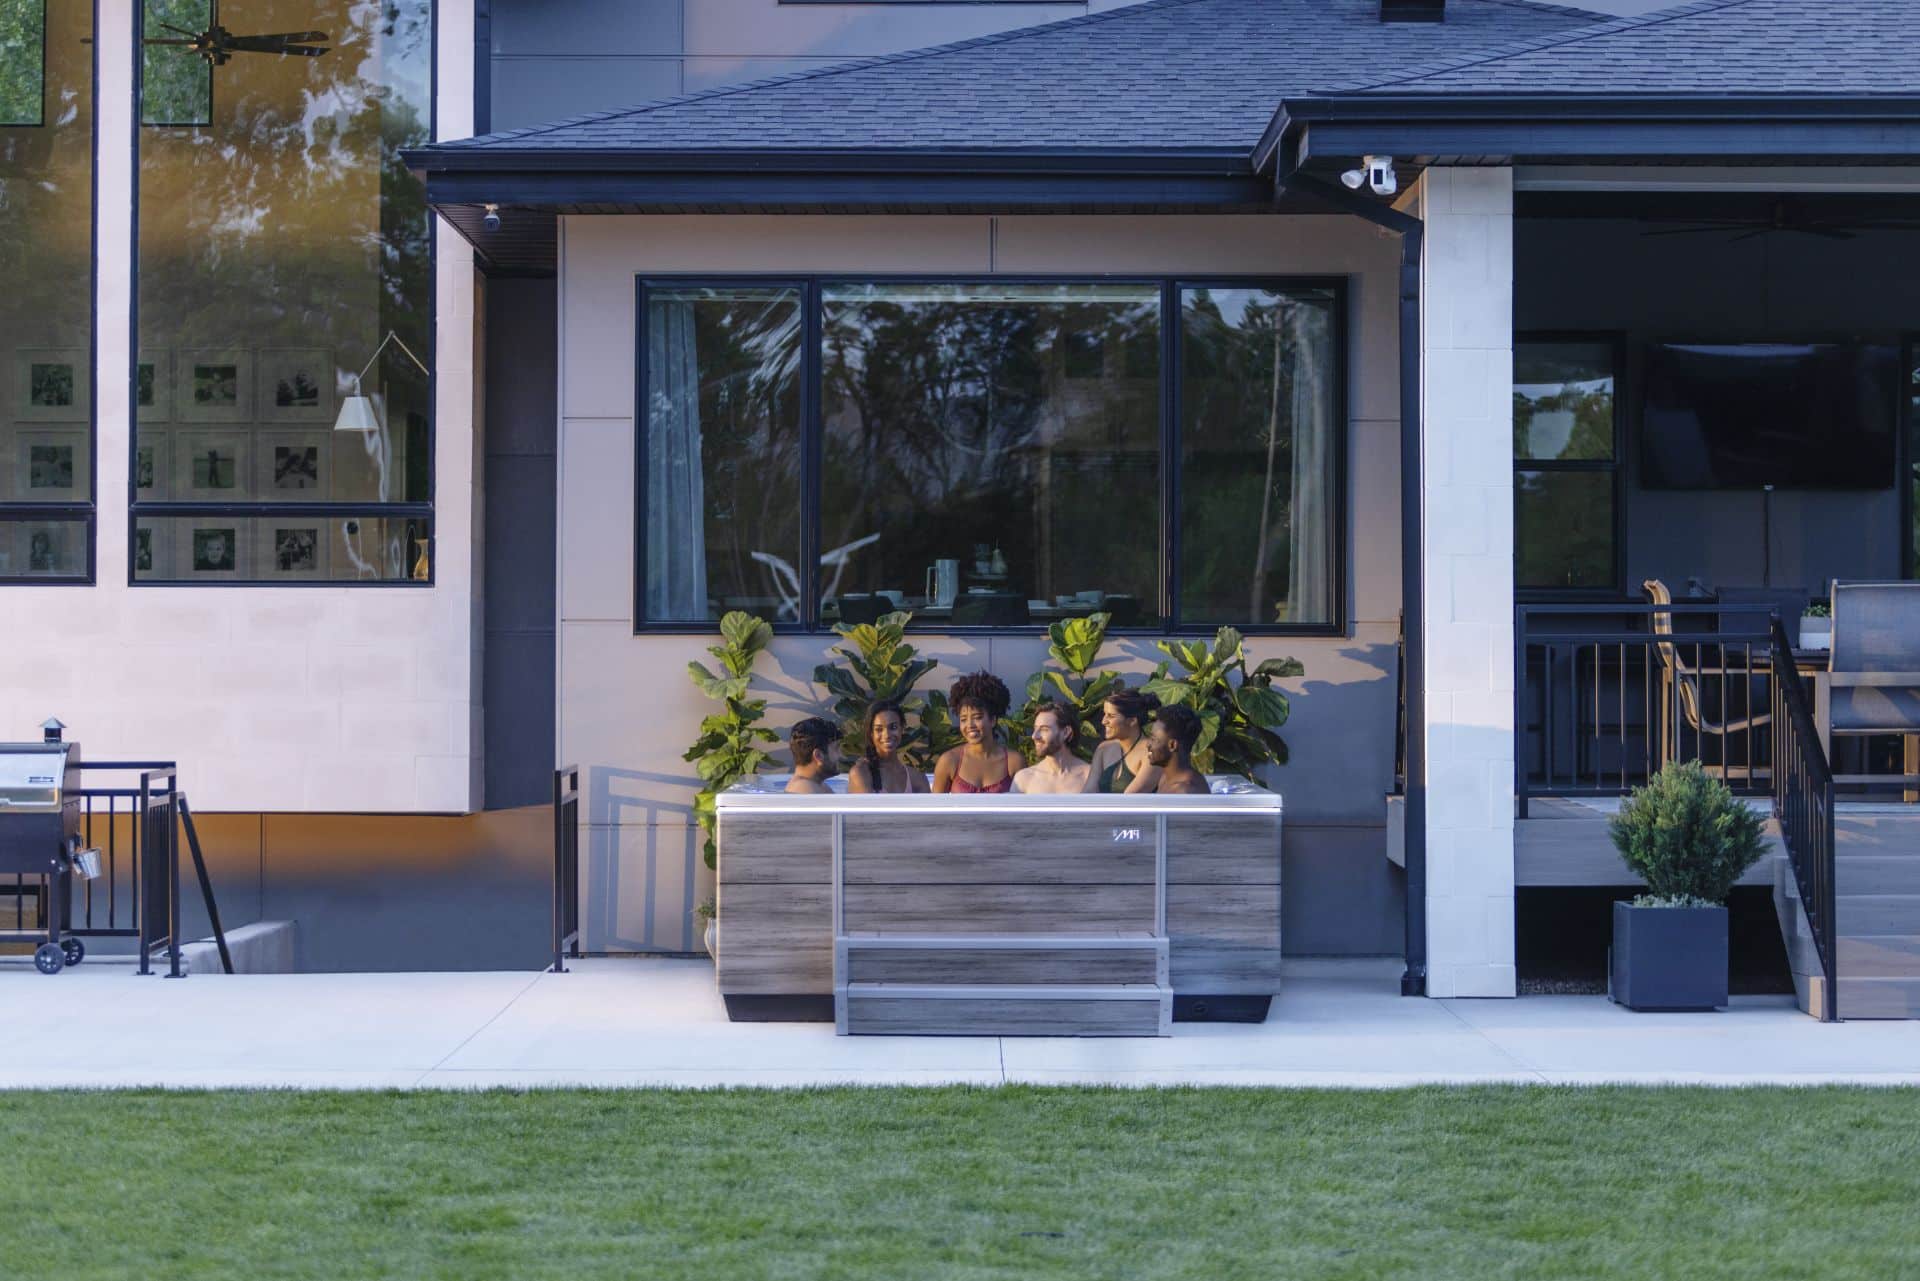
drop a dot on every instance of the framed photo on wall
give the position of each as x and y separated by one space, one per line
50 385
44 548
153 385
214 466
50 465
211 548
213 386
295 548
296 385
293 465
152 472
152 557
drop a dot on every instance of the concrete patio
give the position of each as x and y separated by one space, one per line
633 1022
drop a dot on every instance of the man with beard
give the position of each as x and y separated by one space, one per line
1058 769
813 742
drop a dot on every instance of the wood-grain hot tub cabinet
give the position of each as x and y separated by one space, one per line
999 915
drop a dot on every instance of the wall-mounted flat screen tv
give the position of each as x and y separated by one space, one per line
1747 415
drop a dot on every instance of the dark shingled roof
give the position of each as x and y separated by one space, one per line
1173 75
1748 48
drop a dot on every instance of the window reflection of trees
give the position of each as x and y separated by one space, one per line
1021 419
291 222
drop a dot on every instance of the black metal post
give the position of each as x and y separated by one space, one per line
206 884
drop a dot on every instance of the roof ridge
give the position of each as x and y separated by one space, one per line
837 68
1500 53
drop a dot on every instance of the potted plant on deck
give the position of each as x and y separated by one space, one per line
1690 839
1816 626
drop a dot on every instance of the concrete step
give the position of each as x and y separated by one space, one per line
1876 874
262 947
1003 959
1856 914
901 1009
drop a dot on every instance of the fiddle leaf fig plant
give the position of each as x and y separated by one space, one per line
1074 645
1240 711
878 663
728 748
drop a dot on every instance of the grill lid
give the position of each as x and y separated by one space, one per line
31 775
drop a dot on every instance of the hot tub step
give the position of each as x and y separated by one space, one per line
1004 959
902 1009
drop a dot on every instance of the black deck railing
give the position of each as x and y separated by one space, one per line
1600 706
136 826
566 866
1803 804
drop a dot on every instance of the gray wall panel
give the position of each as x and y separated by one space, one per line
521 430
539 90
1342 897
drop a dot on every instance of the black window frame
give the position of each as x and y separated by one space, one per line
1907 451
422 510
84 511
1616 341
812 438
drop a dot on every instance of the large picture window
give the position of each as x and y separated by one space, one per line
282 399
46 291
990 453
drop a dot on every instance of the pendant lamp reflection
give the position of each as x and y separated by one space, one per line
356 408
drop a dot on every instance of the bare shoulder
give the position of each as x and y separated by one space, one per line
860 777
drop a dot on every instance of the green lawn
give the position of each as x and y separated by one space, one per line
1431 1184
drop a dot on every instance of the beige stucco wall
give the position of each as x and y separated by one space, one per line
626 709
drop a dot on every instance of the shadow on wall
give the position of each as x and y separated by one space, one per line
643 869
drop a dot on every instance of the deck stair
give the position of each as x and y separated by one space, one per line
1004 984
1877 911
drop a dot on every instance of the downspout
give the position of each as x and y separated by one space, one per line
1413 982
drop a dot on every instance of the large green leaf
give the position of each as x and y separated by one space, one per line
1275 668
1226 646
1169 691
746 633
1263 706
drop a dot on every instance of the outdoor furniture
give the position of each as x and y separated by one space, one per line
1872 682
998 609
1681 687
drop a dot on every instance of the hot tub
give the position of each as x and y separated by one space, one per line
999 915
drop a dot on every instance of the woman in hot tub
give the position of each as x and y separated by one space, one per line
881 769
982 763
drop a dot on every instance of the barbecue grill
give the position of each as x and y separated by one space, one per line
40 837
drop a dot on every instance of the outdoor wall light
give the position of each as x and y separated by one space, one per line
1376 172
491 219
356 409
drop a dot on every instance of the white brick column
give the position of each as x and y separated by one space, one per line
1467 560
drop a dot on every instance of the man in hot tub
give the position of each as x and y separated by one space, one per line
813 741
1058 769
1170 743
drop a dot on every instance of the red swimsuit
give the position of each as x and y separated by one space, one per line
960 784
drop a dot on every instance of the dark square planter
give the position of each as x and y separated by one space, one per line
1668 958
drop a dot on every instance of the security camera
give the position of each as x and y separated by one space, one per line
1376 172
491 219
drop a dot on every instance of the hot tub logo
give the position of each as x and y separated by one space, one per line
1126 836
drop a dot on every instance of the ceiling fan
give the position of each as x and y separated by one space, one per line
1784 217
217 44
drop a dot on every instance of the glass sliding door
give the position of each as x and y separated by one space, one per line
283 402
46 290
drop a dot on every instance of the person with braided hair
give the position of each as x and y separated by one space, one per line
982 763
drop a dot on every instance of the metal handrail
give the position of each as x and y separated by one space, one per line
1672 673
1803 804
566 866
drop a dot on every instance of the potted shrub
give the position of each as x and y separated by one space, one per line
1690 839
1816 626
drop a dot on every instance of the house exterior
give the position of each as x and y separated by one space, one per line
998 312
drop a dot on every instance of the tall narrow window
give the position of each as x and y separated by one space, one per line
282 396
720 452
1566 460
46 290
990 452
1258 456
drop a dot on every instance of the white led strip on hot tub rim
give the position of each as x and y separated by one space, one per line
766 801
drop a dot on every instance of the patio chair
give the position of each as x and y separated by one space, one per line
1873 673
1681 681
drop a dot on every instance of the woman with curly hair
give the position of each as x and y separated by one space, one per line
881 769
982 763
1123 756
